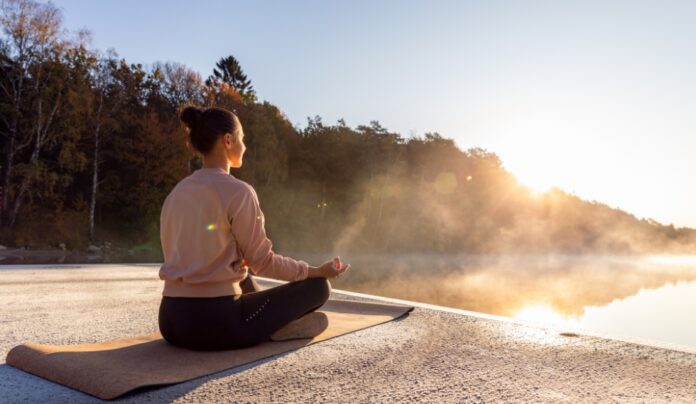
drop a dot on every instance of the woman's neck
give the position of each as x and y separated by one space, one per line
216 163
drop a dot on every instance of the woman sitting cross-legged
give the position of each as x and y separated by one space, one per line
212 233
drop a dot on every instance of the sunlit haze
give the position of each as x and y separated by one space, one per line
596 98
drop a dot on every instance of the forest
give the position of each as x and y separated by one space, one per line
92 144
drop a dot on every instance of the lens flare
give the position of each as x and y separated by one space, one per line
445 183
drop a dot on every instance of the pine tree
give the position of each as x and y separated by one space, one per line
228 70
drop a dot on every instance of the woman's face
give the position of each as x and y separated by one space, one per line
235 147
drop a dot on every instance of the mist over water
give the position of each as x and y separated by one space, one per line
503 285
563 287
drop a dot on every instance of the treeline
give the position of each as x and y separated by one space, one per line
92 144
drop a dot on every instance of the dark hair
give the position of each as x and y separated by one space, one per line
206 125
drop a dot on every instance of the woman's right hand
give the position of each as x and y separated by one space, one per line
328 269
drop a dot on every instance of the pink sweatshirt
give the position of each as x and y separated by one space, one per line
210 221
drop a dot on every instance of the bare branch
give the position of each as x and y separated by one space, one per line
49 120
4 120
25 144
6 91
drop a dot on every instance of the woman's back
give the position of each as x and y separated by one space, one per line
209 222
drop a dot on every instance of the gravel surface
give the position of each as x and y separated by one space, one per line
430 355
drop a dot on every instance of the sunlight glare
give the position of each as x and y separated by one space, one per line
540 314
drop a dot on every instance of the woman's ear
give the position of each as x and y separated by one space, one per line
231 137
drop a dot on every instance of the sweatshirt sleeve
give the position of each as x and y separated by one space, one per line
247 222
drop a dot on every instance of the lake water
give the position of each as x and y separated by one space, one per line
650 299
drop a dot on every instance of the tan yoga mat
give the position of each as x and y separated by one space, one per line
110 369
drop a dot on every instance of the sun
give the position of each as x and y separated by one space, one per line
539 189
533 178
536 188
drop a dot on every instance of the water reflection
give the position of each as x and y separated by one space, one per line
664 314
661 315
637 297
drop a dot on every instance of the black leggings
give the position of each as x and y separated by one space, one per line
238 321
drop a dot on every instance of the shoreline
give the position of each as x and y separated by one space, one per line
94 255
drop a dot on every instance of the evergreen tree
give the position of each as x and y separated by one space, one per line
228 70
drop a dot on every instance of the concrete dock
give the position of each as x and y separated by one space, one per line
434 354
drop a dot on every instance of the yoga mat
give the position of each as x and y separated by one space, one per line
110 369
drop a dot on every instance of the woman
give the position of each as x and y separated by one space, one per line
212 233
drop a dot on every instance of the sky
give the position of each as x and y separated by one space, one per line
597 98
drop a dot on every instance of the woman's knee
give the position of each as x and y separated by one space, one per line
320 288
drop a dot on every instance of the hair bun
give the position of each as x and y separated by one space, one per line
191 116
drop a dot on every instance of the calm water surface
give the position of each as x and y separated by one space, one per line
646 298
